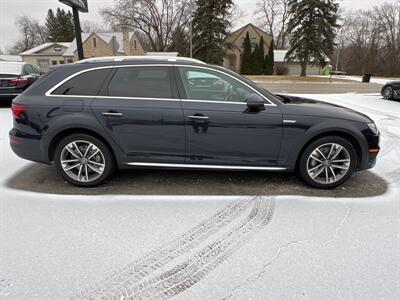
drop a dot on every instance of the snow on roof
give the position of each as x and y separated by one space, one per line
44 46
105 36
279 56
12 58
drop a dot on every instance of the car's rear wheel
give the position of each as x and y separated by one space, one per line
328 162
388 93
83 160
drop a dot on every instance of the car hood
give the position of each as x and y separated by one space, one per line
313 108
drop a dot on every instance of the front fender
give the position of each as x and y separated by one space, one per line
298 136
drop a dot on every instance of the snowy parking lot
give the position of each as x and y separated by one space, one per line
203 236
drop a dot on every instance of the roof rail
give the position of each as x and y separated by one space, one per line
133 58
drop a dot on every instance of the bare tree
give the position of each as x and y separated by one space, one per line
274 15
387 17
370 41
31 33
90 26
156 19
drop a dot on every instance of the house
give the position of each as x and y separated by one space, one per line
98 44
232 59
12 58
46 55
293 67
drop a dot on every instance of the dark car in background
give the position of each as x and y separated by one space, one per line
16 77
98 115
391 90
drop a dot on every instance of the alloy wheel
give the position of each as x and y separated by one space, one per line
328 163
82 161
388 93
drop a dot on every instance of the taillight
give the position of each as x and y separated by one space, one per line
18 110
18 81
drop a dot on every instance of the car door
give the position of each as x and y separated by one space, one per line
141 110
220 129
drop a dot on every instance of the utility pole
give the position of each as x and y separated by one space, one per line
191 37
77 6
192 7
78 35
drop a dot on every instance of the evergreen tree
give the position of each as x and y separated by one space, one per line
260 57
60 26
210 23
269 60
254 61
312 31
245 67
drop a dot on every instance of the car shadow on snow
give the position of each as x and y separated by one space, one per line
44 179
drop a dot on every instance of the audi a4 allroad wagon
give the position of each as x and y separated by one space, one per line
102 114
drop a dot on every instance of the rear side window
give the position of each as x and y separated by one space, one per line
141 82
85 84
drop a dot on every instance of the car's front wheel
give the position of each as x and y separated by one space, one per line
328 162
83 160
388 93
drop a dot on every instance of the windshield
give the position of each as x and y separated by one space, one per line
10 68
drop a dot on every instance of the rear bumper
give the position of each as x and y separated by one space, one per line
27 146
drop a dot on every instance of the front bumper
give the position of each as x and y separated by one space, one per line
27 146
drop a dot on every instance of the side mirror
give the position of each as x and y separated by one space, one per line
255 102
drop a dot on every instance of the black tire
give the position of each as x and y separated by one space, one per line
305 161
107 159
388 93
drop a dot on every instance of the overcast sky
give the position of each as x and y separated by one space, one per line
10 9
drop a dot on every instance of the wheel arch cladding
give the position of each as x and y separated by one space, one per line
76 130
346 135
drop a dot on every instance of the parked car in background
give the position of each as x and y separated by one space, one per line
16 77
98 115
391 90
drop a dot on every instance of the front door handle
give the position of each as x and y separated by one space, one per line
197 117
112 114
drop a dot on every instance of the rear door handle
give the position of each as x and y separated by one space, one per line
112 114
198 117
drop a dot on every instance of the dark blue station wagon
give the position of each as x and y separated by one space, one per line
95 116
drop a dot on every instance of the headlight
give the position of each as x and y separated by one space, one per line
373 128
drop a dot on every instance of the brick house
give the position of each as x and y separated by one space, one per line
99 44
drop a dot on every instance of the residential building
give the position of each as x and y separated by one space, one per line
46 55
232 60
294 67
98 44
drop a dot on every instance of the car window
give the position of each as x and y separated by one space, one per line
85 84
141 82
202 84
29 69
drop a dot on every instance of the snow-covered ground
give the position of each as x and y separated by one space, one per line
205 247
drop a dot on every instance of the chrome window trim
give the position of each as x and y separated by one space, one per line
270 103
51 90
193 166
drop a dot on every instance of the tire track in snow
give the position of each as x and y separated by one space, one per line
4 286
184 275
155 259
